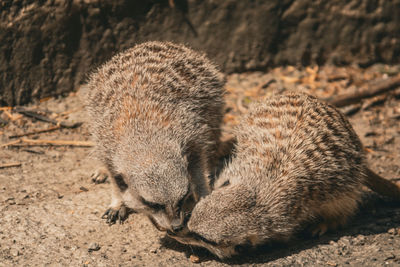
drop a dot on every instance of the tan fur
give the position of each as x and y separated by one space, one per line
297 162
155 112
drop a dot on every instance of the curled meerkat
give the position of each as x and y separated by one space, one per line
297 162
155 112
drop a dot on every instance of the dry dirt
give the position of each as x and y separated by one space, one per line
51 211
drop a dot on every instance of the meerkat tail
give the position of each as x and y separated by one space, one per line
382 186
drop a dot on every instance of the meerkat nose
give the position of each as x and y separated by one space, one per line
176 225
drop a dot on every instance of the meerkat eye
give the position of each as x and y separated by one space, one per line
226 183
152 205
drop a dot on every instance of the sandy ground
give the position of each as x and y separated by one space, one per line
51 210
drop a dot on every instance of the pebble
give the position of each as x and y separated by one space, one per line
10 201
359 240
15 252
194 259
93 247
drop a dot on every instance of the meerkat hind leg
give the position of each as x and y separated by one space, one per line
335 213
325 226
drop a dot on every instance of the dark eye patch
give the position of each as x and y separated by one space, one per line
152 205
199 237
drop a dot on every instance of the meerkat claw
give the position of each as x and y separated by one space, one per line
99 176
112 215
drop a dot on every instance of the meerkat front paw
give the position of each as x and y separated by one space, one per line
112 215
99 176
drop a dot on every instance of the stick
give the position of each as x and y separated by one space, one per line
36 132
11 143
64 113
8 165
38 116
10 116
56 142
373 89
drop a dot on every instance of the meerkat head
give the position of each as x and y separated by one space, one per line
223 221
158 184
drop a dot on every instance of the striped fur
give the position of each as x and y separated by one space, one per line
155 113
298 162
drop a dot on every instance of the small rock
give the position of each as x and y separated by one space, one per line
84 189
331 263
10 201
359 240
194 259
392 231
93 247
104 255
15 252
390 256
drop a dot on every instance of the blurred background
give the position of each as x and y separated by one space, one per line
47 47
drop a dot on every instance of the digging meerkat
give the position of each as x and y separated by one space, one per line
297 162
155 112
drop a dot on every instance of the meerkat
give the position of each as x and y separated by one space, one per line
297 162
155 112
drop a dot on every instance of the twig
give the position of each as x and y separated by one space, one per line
36 132
38 142
10 116
373 89
35 114
33 151
11 143
9 165
64 113
56 142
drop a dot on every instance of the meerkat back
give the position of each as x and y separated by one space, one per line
298 163
155 114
